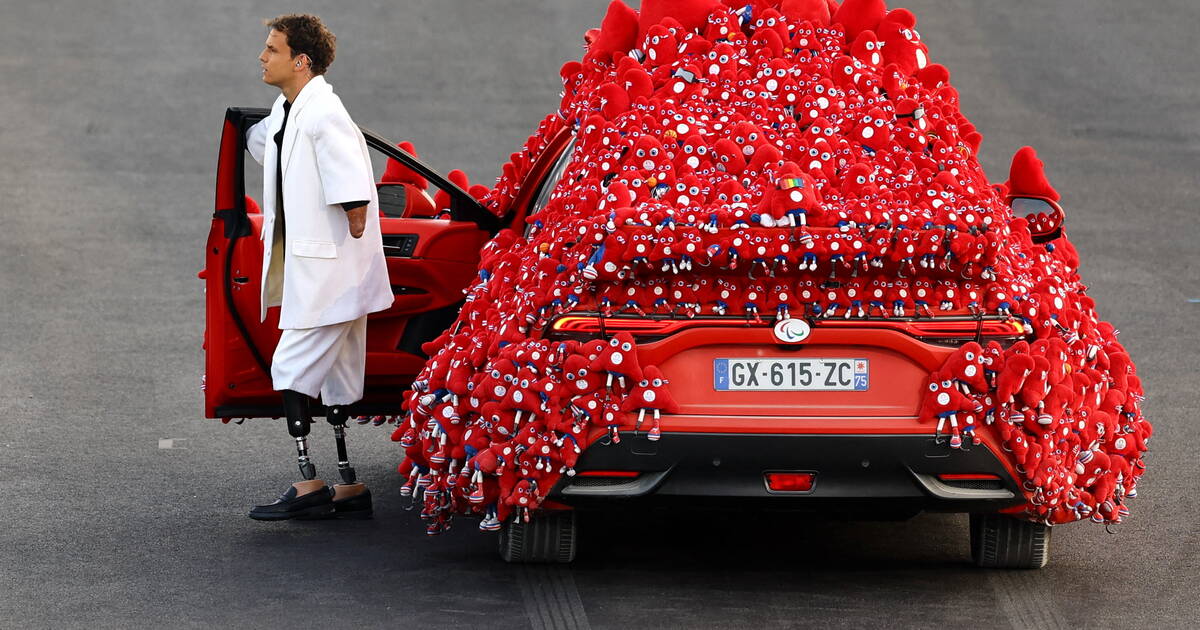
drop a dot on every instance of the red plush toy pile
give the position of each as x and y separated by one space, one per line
768 159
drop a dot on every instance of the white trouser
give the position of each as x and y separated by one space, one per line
329 360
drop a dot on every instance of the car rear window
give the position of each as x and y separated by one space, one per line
552 179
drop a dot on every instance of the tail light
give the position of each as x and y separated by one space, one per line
951 331
645 330
946 331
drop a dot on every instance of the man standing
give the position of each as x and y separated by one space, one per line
323 260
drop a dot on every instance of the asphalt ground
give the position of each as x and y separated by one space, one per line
121 506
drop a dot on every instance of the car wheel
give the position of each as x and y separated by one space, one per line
1004 542
548 538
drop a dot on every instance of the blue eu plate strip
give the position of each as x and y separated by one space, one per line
721 374
860 375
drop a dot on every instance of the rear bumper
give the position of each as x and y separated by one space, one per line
882 475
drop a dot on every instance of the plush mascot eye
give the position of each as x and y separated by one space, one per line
947 383
627 346
970 356
933 387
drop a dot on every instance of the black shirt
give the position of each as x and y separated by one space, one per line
348 206
287 108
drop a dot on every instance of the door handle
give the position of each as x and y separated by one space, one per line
399 245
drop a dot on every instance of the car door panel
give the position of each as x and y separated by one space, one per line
429 262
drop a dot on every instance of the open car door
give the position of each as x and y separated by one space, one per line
430 261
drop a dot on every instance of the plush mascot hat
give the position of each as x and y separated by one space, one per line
617 36
815 11
860 15
903 17
397 173
692 14
1028 176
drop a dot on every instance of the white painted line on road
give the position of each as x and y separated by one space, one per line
169 443
551 599
1024 597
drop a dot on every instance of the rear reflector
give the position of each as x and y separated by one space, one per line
628 474
969 477
789 482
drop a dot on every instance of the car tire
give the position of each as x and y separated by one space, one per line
549 538
1004 542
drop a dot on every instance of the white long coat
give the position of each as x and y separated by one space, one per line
331 277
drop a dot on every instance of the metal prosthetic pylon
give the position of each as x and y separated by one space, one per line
299 419
337 416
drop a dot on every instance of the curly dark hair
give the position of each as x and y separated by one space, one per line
307 35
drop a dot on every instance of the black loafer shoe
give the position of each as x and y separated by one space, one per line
357 506
315 504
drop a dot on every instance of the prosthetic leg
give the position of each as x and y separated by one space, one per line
305 499
299 421
350 499
337 416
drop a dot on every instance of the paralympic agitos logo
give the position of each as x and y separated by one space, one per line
792 330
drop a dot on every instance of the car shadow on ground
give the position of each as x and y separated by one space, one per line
769 541
640 540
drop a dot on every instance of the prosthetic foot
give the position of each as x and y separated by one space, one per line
351 499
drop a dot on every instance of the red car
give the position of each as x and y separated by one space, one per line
817 415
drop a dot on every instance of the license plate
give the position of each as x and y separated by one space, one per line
849 375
